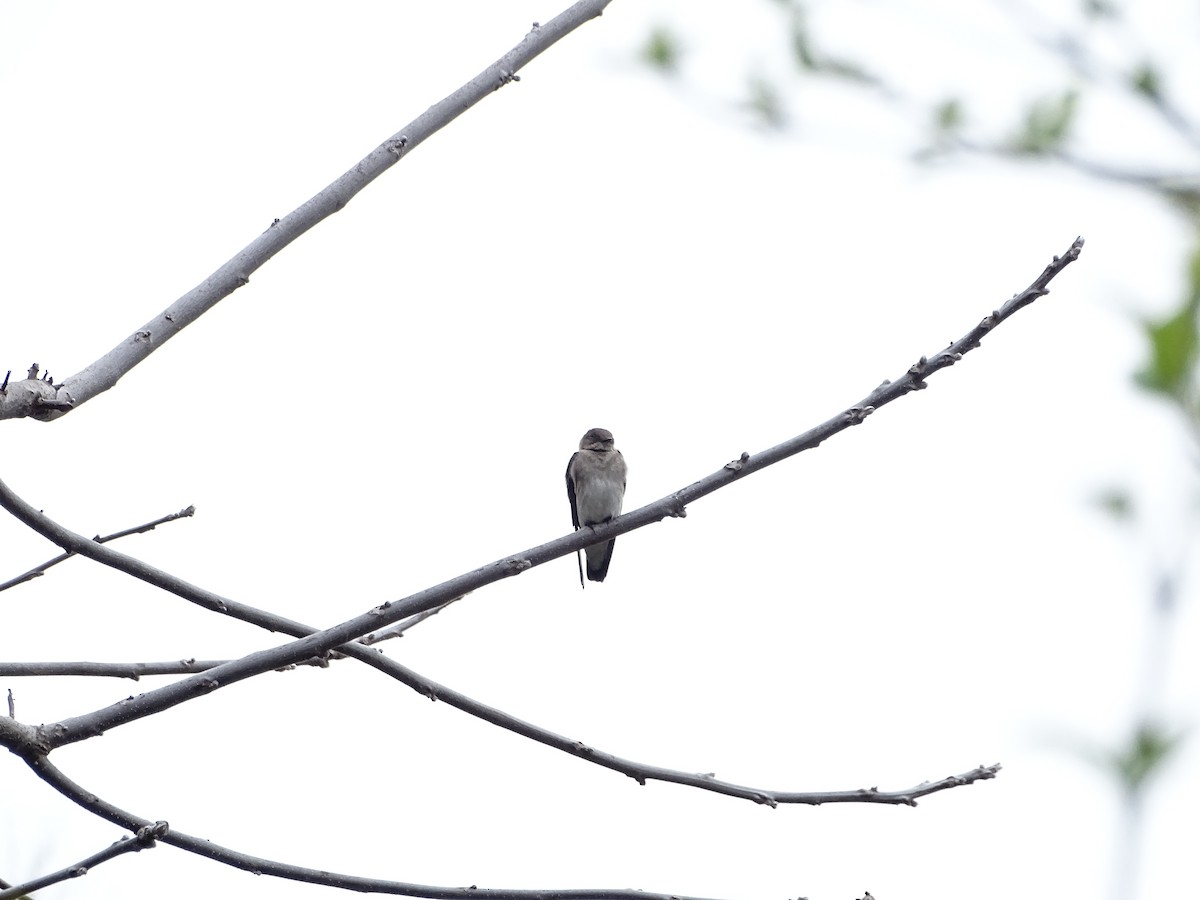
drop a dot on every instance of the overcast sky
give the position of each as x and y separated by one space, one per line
393 399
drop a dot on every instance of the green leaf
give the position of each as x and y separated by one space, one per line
1148 749
1147 82
1048 124
661 51
949 116
1170 368
1117 502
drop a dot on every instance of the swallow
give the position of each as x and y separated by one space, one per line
596 488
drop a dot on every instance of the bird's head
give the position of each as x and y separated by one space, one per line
597 439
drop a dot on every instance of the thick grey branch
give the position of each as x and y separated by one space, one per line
41 401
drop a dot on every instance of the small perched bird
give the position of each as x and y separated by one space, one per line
596 487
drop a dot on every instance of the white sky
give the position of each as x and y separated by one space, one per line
393 400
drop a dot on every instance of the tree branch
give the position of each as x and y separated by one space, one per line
41 400
38 571
146 837
64 785
315 644
118 670
399 628
318 643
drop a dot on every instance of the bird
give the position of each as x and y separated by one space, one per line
596 487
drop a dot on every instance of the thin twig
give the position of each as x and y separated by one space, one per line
38 571
146 836
42 401
395 631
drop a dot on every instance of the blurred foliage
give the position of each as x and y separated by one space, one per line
1117 502
949 116
1099 9
1171 345
765 102
810 59
662 50
1141 759
1147 82
1082 49
1047 124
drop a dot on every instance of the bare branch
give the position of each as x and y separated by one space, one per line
38 571
106 670
60 782
319 643
399 628
28 743
639 772
146 837
41 400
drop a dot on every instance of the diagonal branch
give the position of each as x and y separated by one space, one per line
45 401
146 837
316 644
64 785
60 782
38 571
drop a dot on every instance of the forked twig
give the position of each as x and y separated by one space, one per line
38 571
145 837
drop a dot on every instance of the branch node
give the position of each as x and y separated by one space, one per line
735 465
139 336
677 509
515 565
856 414
147 835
